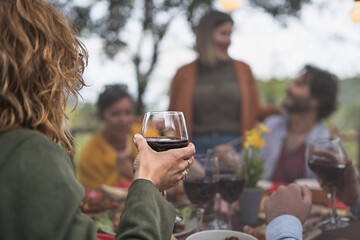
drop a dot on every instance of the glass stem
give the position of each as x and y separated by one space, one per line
218 211
230 209
199 216
332 197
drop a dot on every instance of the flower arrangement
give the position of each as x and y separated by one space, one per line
252 145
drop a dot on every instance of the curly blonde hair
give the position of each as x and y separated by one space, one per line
41 67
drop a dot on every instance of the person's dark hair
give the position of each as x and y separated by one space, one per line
111 95
203 33
323 86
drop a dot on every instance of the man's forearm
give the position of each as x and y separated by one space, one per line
284 227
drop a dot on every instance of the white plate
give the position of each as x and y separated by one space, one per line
310 182
264 184
219 235
191 227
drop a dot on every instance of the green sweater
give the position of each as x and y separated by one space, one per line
40 196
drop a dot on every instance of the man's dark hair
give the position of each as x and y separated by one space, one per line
323 86
109 96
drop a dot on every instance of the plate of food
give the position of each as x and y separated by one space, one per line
189 222
220 235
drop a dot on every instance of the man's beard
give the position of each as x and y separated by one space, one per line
297 106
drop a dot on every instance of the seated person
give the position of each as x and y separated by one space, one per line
311 97
108 156
288 208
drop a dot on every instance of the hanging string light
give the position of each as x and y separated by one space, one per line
231 5
355 11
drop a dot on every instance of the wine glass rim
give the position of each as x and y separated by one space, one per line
322 140
167 112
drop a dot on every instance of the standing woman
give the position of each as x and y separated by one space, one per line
218 95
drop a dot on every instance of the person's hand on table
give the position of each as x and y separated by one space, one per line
292 200
163 169
124 162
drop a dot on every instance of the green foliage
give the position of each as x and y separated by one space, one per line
84 118
273 90
104 222
254 167
187 213
281 8
347 114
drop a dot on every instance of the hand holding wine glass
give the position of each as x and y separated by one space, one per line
327 159
164 170
348 185
166 130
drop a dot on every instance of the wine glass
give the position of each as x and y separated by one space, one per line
232 178
201 184
327 159
163 131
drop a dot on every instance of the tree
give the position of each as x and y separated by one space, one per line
109 26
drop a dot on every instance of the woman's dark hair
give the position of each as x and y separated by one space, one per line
323 86
109 96
204 30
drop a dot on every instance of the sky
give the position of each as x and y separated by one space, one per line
324 36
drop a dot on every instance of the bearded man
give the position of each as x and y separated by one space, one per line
311 97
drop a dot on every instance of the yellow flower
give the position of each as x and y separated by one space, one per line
253 138
263 128
258 143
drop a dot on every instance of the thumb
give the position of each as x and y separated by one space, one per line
349 167
306 194
140 142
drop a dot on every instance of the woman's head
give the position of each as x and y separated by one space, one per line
116 110
213 37
41 66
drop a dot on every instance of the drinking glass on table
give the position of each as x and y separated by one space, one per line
232 179
326 158
163 131
201 184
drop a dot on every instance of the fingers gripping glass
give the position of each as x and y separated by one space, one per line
327 158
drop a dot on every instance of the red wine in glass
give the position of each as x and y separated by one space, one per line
200 190
231 187
327 171
166 143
